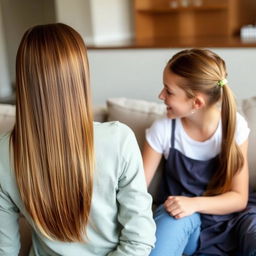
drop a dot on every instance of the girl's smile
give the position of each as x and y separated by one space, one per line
176 100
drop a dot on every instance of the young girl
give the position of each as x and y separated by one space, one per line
204 141
79 184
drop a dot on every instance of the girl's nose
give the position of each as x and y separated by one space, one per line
161 95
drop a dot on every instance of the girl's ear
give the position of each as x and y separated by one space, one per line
199 101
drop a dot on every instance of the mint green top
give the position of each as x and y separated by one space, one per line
121 221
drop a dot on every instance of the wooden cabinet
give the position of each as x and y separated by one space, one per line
163 19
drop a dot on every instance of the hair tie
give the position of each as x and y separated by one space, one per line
222 82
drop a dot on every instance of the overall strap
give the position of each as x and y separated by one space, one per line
173 133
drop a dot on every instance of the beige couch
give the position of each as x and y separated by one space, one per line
138 115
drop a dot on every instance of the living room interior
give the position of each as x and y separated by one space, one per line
126 74
122 63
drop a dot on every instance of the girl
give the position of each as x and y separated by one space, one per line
204 141
79 184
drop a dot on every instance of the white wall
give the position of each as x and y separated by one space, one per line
98 21
17 17
5 83
111 20
137 73
77 14
114 73
49 12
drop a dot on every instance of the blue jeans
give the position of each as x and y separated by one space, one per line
175 236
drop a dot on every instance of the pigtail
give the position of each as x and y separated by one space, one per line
230 159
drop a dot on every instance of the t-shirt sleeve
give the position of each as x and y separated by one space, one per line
156 135
242 129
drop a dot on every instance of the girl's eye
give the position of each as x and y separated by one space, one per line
168 92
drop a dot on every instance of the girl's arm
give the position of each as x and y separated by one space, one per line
151 160
233 201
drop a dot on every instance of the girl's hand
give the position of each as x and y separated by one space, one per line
180 206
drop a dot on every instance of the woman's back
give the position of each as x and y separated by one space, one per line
117 183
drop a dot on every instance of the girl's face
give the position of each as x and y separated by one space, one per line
175 98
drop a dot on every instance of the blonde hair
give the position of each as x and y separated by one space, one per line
202 69
52 139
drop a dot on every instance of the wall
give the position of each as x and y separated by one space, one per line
98 21
17 17
138 73
76 13
5 83
111 20
114 73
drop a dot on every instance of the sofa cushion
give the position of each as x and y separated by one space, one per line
249 110
100 114
137 114
7 117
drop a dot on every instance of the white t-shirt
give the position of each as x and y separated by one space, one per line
159 138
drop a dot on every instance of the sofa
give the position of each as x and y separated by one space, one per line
138 115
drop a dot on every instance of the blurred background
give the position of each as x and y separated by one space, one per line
129 41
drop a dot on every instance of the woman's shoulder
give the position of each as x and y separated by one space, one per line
114 142
4 138
112 134
6 175
4 148
111 129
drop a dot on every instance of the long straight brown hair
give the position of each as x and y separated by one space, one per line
201 70
52 140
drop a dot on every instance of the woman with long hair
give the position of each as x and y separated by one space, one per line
79 184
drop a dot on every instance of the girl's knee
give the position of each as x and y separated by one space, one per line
173 234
